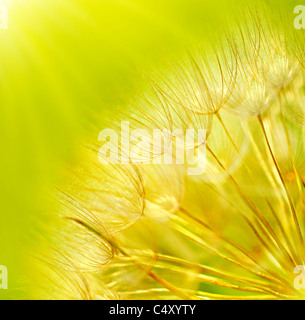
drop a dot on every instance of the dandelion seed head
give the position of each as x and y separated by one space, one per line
235 232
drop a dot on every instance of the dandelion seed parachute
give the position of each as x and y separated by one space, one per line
116 203
224 153
202 82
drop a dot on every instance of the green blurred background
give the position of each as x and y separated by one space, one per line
63 63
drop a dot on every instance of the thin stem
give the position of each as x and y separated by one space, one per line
256 211
294 215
